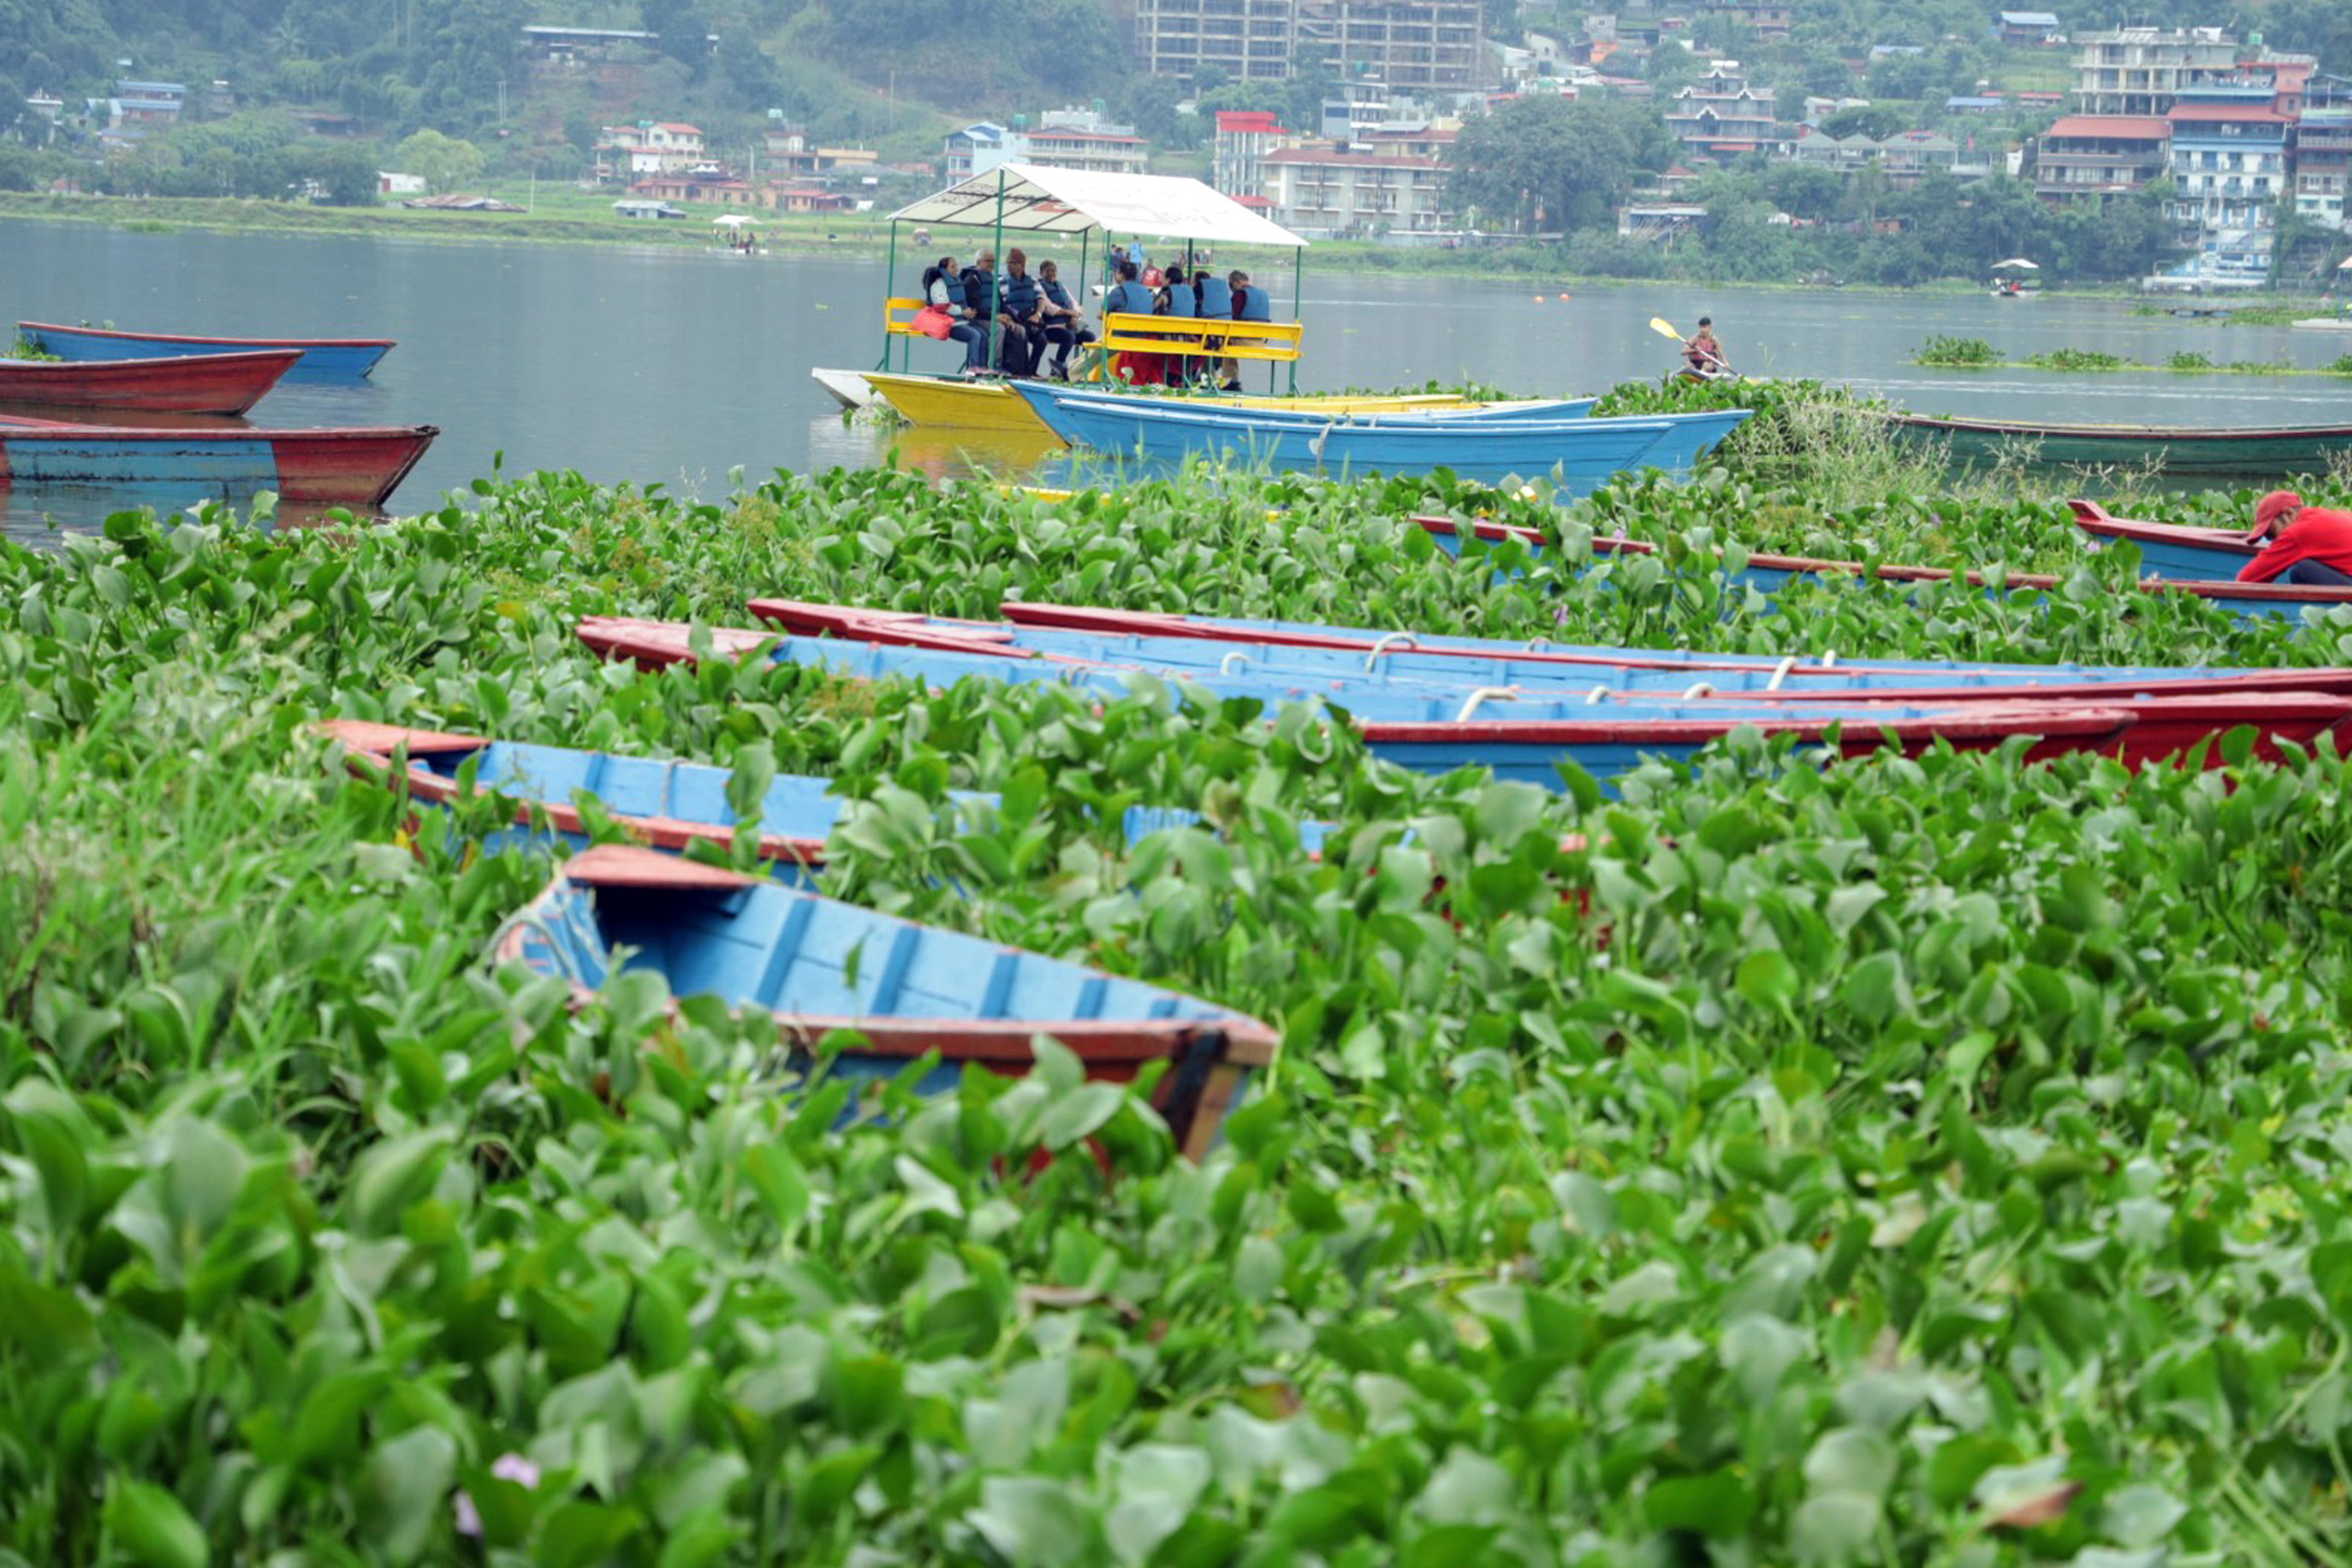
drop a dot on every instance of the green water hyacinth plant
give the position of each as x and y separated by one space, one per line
1931 1161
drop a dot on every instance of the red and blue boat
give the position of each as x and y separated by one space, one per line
2172 709
323 359
858 997
355 466
663 803
2169 551
1431 728
1768 573
225 383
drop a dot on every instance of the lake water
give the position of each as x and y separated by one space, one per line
661 366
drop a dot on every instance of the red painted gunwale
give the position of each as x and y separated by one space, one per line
297 343
374 745
192 384
2100 523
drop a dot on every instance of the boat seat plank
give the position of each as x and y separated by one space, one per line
1127 333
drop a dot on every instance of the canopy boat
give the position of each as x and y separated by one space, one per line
196 383
323 359
1771 573
2168 549
2291 449
1023 204
860 996
1584 453
1435 730
2170 712
664 804
953 403
358 466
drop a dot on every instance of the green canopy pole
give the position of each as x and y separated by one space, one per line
995 318
1297 312
893 272
1078 280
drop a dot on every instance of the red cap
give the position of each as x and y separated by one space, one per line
2269 510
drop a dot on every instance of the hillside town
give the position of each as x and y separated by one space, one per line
1345 118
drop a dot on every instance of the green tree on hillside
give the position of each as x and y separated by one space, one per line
443 162
1554 163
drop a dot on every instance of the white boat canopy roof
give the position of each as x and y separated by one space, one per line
1024 198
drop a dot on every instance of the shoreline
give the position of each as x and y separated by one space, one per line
576 222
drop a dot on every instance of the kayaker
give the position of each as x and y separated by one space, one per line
943 288
2308 545
1065 324
1704 353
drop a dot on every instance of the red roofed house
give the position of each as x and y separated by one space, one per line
1722 116
1320 192
1244 139
2099 156
2229 164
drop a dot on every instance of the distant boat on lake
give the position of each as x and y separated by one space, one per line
194 383
323 359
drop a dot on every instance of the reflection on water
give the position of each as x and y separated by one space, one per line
36 515
938 453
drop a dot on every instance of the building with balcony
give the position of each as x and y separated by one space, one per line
1415 46
1722 116
1248 40
2142 70
1115 152
2320 155
2026 27
2098 157
1244 139
2228 164
1323 194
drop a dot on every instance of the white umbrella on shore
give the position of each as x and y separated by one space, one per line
731 219
2018 261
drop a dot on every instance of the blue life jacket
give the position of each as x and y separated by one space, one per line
1181 301
1055 292
954 287
978 293
1257 307
1216 299
1128 299
1019 295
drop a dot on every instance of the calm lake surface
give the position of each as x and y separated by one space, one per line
657 365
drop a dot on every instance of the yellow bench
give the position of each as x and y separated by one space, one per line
898 317
1124 333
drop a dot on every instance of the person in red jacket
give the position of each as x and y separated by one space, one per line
2309 545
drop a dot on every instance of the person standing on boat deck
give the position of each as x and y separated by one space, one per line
1704 354
2310 546
1023 324
1065 324
943 287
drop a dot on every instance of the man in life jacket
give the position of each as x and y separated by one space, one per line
2308 545
1024 329
984 295
1065 324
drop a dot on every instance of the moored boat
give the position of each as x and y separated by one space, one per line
325 359
2267 451
1580 453
358 466
2169 550
858 996
1768 573
955 403
1437 730
195 384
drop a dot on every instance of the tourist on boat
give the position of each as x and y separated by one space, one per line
943 289
1179 295
1704 353
1129 297
1065 325
1023 323
982 294
2308 545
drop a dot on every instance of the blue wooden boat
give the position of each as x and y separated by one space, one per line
665 805
2172 709
1520 411
859 996
1579 454
323 359
1439 729
358 466
1767 575
2169 550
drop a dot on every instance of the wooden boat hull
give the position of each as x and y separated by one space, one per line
1579 454
2167 550
1424 727
196 383
847 387
956 404
2170 713
1980 443
358 466
323 359
1769 574
823 970
665 805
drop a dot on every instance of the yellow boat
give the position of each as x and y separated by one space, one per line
955 404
